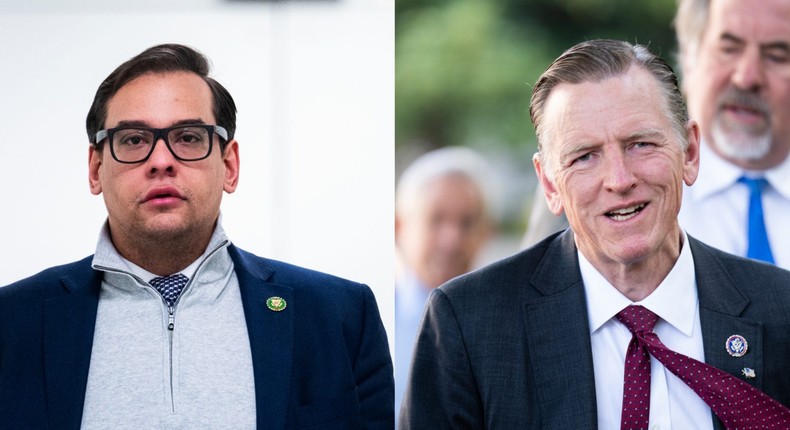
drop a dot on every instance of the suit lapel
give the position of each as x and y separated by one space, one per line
721 303
558 337
271 339
563 353
69 322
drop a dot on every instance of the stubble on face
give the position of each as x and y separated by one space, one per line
163 211
738 139
737 82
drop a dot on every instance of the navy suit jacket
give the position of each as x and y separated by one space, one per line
322 363
508 346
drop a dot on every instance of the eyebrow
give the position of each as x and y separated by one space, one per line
643 134
646 134
138 123
784 46
582 147
729 37
635 136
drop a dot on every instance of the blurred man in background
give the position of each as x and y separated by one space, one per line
735 59
441 224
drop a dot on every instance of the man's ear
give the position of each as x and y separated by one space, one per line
94 169
549 189
230 158
691 155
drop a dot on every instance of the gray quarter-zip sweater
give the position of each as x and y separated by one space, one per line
144 375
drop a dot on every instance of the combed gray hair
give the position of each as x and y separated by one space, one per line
690 22
447 161
597 60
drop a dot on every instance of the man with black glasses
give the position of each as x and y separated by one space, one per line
168 325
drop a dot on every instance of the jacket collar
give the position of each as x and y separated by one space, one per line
271 336
564 345
722 304
69 320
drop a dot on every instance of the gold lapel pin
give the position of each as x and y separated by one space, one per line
275 303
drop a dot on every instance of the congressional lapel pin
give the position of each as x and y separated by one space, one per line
275 303
736 345
748 372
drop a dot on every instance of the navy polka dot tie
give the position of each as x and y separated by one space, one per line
737 404
170 287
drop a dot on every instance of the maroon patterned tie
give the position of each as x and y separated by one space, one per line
737 404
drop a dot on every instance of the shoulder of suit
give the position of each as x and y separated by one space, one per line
297 277
510 274
48 279
748 271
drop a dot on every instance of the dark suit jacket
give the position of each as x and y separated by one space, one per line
508 346
321 363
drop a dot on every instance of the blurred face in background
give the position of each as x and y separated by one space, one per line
440 234
738 82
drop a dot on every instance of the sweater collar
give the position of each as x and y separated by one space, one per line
215 258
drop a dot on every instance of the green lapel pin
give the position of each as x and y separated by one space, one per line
275 303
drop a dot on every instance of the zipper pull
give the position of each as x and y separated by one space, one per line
171 319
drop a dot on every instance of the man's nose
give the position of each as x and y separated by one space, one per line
619 175
161 158
749 73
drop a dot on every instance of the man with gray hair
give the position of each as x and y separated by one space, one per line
442 222
735 58
623 320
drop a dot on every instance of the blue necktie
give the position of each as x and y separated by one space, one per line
759 248
170 287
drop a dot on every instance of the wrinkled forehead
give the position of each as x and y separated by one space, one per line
595 110
763 22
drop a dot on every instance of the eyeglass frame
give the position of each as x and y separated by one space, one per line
160 133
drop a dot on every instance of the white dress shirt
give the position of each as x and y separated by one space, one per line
715 209
673 405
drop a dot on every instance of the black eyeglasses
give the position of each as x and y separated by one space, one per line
190 142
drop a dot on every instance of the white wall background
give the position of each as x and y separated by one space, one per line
313 83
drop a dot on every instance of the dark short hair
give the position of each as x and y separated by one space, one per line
596 60
161 59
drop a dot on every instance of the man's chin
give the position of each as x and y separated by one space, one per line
741 145
166 229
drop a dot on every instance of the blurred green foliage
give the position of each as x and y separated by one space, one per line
464 68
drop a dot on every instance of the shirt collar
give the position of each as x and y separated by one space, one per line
674 301
717 174
779 178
